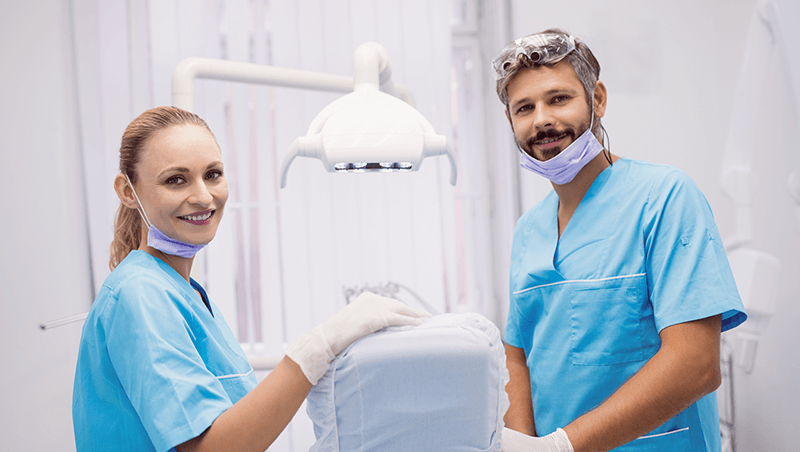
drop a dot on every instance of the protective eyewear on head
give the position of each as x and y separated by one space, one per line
541 48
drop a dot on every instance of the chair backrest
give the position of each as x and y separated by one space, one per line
438 386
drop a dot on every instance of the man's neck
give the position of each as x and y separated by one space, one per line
571 194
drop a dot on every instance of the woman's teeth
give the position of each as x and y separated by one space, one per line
198 217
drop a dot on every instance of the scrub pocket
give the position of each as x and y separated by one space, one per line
605 324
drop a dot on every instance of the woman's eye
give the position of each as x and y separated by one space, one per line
215 174
174 180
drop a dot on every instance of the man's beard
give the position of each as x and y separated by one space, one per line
547 154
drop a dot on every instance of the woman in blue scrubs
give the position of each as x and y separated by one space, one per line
158 367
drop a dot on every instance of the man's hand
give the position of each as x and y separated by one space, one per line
514 441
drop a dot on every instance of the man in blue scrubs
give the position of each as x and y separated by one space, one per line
619 284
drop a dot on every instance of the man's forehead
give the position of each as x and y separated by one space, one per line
542 79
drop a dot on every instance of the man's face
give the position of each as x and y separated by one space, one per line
547 109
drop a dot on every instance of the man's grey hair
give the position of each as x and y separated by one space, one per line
582 60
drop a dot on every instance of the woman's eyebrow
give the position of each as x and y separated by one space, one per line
179 169
183 169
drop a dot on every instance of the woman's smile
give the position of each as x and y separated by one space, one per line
199 218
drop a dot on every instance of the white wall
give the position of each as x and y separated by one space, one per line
43 254
671 69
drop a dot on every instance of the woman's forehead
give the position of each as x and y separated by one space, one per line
186 145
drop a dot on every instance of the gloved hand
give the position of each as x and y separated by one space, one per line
315 349
514 441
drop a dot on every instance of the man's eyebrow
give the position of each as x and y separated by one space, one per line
547 93
561 91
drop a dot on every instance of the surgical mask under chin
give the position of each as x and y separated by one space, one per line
160 241
562 168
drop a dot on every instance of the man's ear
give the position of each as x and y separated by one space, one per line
124 192
600 99
510 122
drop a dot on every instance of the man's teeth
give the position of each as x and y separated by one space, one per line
550 140
199 217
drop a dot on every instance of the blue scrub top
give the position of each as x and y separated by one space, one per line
156 365
640 253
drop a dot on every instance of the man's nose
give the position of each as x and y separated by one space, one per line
542 118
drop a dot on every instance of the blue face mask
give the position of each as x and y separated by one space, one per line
562 168
158 240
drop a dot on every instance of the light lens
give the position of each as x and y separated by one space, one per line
384 167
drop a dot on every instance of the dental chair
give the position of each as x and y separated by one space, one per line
439 387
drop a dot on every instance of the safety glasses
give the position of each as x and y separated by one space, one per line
541 48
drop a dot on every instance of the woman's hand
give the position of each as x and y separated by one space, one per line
314 350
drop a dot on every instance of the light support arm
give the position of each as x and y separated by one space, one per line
192 68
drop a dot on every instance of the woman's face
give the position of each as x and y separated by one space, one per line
181 183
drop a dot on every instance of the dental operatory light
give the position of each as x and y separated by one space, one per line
369 130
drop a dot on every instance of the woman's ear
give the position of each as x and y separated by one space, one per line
600 98
124 192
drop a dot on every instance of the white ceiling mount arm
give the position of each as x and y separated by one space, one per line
438 145
301 147
372 69
208 68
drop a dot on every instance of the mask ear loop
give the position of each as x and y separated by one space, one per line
140 209
606 140
606 145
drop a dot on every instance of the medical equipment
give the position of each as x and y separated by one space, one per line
389 290
438 386
366 130
542 48
756 272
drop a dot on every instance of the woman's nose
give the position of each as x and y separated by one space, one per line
200 195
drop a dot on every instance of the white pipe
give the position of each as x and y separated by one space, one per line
208 68
737 179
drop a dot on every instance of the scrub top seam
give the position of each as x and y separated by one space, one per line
234 375
610 278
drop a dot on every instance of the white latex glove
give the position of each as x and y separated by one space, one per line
315 349
514 441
